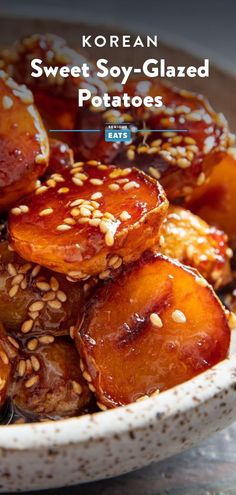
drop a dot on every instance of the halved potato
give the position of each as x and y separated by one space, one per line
181 160
48 381
60 157
189 239
24 144
156 325
88 220
215 201
34 300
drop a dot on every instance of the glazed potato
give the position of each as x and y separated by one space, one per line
180 160
89 220
24 143
56 98
8 353
215 202
48 381
34 300
187 238
161 337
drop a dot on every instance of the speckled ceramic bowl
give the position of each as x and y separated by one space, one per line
53 454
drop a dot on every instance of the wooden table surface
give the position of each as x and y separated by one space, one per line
208 469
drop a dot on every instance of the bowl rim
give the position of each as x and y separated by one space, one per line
121 420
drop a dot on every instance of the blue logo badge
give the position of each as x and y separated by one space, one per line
117 133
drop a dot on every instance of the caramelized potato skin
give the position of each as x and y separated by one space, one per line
215 201
24 143
49 383
190 240
8 353
128 355
35 301
179 160
53 50
123 222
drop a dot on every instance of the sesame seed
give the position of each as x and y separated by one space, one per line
114 187
69 221
81 176
46 339
61 296
13 291
93 162
130 154
27 326
44 286
21 367
115 261
72 332
76 387
11 269
63 227
32 381
97 214
49 296
85 212
178 316
232 321
77 202
189 140
77 182
63 190
83 220
131 185
13 342
32 344
201 179
46 212
2 384
7 102
87 376
109 238
51 183
94 222
16 211
4 357
154 173
35 271
96 182
125 216
36 306
101 406
34 314
25 268
35 363
54 284
96 195
183 163
17 279
75 212
156 320
41 190
91 387
103 275
54 304
104 226
81 365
